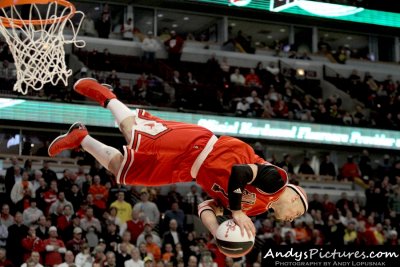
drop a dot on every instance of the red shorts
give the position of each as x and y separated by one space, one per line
161 152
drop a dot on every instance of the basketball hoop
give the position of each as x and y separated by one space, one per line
33 29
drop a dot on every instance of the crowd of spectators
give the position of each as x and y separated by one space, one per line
259 92
84 218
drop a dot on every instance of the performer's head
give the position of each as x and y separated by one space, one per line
291 204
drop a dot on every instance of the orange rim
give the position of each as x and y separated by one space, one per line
9 22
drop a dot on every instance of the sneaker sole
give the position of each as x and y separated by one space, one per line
83 79
61 137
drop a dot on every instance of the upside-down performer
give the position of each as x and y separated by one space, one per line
160 152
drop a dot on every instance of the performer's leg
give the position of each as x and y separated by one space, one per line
108 156
78 136
105 97
124 117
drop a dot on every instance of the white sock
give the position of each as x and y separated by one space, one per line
104 154
119 110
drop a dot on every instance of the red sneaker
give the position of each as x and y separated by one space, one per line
71 140
90 88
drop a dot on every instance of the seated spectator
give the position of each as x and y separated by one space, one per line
122 255
237 78
148 229
252 79
31 214
344 203
98 256
148 261
65 219
54 248
172 236
207 261
280 108
152 247
84 257
350 169
301 234
32 261
315 204
69 259
50 196
327 167
168 255
359 117
242 108
147 207
379 234
350 234
61 201
268 111
99 192
21 192
112 237
31 243
16 233
126 242
256 104
90 221
124 208
305 167
110 260
77 242
192 261
6 218
175 213
135 260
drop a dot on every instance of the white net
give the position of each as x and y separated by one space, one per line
38 48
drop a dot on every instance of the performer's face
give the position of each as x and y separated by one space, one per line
290 206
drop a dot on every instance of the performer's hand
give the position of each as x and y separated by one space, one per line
244 222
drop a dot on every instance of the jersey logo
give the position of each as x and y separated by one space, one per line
248 198
150 125
150 128
237 191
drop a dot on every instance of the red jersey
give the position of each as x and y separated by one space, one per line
166 152
214 174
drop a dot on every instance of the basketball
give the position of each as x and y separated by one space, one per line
230 240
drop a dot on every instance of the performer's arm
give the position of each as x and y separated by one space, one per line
240 176
208 212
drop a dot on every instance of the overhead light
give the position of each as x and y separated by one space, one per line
233 24
349 38
300 72
160 15
174 25
96 8
257 43
326 35
282 30
149 22
185 18
269 36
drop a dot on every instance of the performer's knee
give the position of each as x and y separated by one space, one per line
115 164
